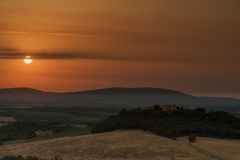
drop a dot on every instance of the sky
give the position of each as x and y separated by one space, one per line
191 46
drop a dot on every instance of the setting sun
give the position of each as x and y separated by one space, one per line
28 60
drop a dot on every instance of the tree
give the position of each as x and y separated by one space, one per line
157 107
201 110
192 138
123 112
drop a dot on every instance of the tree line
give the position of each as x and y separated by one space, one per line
174 122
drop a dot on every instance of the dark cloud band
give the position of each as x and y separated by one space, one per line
14 54
163 58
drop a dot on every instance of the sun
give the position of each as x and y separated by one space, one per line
28 60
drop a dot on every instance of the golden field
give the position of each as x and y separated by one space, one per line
127 145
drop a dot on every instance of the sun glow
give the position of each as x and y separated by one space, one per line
28 60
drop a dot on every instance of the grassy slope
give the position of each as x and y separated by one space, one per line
132 145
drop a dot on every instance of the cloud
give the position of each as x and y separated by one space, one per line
81 56
183 58
15 54
54 34
12 32
77 33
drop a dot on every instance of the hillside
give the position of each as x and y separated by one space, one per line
130 145
111 97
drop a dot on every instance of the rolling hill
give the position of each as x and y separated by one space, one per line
110 97
130 145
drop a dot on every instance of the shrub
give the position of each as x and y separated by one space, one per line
27 158
192 138
201 110
157 107
12 158
56 158
33 158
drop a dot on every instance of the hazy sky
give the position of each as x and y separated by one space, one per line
186 45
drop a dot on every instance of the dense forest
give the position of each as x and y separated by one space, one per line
174 122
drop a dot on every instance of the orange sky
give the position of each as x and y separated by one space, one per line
83 44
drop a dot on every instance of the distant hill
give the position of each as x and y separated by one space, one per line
111 97
20 90
118 90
